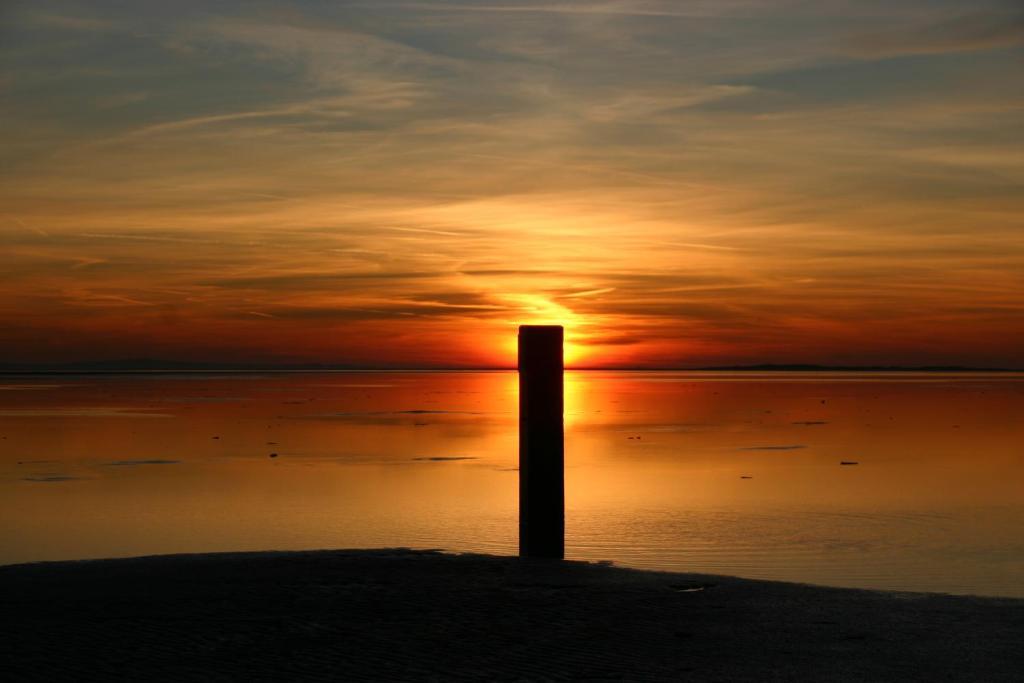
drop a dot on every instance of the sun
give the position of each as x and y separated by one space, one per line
540 310
572 352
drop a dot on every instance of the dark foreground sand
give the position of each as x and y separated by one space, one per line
403 615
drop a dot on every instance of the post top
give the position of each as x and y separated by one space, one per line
541 329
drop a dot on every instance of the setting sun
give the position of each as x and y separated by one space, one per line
540 310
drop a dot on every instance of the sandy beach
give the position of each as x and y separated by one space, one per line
426 615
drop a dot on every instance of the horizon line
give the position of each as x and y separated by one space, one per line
210 368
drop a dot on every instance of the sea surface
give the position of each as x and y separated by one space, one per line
905 481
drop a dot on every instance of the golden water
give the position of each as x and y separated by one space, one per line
735 473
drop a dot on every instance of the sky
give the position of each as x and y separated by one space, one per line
384 183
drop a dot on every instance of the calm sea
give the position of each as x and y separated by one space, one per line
899 481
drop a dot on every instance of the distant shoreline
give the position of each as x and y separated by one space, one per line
213 370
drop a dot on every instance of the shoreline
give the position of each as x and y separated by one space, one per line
398 614
727 369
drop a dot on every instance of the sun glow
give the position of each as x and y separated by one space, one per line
540 310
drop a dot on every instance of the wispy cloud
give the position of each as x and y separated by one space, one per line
636 8
682 183
978 30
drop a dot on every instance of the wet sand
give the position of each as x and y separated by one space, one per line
421 615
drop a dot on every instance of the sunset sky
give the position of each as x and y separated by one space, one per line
402 183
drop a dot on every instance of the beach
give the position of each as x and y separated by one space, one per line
398 614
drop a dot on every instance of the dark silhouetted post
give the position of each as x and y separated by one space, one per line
541 449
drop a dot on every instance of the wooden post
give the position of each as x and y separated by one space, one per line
541 443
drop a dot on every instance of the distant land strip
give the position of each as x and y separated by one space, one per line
156 366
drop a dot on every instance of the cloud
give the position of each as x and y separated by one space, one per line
315 281
981 30
620 8
381 311
373 70
72 23
709 180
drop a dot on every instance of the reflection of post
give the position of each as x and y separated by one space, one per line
541 448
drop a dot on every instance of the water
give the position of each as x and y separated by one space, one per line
735 473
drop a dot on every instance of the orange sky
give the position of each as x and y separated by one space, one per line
680 183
